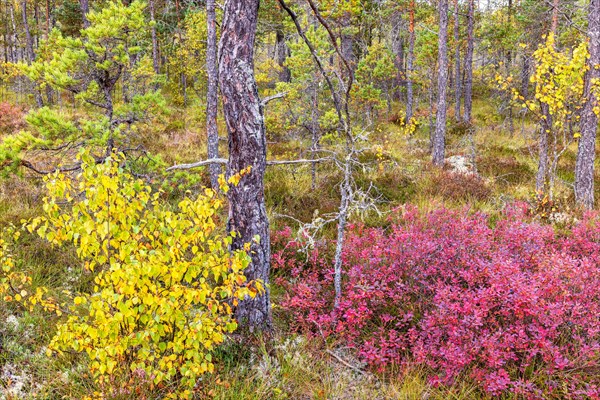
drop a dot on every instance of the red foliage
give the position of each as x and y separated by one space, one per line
514 306
11 118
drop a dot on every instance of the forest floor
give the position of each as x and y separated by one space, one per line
289 366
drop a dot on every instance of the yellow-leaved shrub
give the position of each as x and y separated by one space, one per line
165 280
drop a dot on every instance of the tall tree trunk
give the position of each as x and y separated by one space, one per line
281 50
5 47
541 181
431 99
398 50
342 219
28 37
47 27
314 128
29 48
525 76
586 154
347 42
14 39
410 61
469 63
4 23
36 18
247 148
212 72
555 7
155 58
457 75
439 138
546 129
510 19
85 9
183 80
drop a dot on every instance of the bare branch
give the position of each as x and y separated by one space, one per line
302 161
313 52
268 99
30 166
198 164
224 161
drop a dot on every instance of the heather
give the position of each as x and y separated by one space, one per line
509 304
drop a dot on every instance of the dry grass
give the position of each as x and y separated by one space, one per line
293 367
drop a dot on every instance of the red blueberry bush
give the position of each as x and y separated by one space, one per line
508 303
11 118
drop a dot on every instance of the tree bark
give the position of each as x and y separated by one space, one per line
47 27
247 148
85 9
36 18
346 198
509 55
555 7
155 58
28 37
30 52
431 99
14 37
398 50
541 181
525 76
314 128
5 47
457 75
347 43
212 72
586 154
281 50
439 138
469 64
5 34
410 61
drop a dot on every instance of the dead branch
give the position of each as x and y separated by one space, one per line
302 161
318 62
31 167
198 164
224 161
268 99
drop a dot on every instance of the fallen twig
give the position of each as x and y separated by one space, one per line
346 363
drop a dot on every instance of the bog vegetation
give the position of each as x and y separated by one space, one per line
292 199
